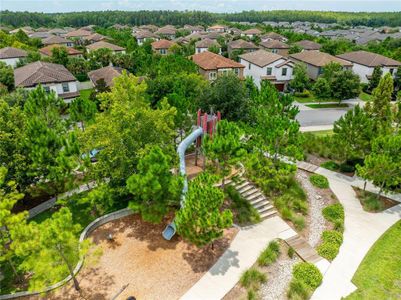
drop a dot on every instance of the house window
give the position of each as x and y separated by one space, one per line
320 71
391 71
47 89
269 71
163 51
212 75
249 66
66 88
284 72
274 50
236 71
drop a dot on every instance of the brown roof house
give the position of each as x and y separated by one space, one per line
241 45
364 63
316 60
162 47
216 28
273 36
194 29
212 65
95 37
167 32
54 39
48 51
52 77
275 46
308 45
78 34
263 65
107 74
11 56
251 33
145 35
205 44
106 45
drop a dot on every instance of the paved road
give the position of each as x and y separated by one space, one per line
317 117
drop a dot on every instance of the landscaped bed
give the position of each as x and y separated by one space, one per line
139 257
371 203
378 276
327 105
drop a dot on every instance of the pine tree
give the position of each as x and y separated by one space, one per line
301 79
375 79
201 220
82 110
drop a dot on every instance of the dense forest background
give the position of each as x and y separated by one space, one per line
108 18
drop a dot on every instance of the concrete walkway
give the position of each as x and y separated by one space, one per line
241 255
362 229
316 128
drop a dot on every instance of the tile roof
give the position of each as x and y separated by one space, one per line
41 72
319 59
107 73
78 33
48 50
274 44
308 45
10 52
252 31
211 61
54 39
369 59
261 58
162 44
103 44
241 44
273 36
167 30
206 43
96 37
143 34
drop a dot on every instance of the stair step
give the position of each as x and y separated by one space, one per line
268 214
245 188
249 193
256 202
241 185
265 209
254 197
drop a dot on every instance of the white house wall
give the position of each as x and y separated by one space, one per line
10 61
364 71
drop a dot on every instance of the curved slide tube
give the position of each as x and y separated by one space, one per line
170 230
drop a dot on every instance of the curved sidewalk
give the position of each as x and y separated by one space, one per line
241 255
362 229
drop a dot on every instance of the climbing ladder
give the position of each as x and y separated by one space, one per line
255 197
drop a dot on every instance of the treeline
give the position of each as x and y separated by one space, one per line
108 18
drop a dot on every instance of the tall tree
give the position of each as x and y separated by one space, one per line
60 56
224 147
82 110
201 220
375 79
6 76
300 82
51 249
322 89
154 187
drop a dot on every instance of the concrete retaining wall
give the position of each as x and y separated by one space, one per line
91 227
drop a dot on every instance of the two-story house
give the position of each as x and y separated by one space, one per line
316 60
11 56
143 36
217 28
365 62
57 40
308 45
103 44
263 65
241 45
162 47
167 32
275 46
52 77
48 51
212 65
273 36
205 44
251 33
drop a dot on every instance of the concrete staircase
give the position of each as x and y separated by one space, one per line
255 197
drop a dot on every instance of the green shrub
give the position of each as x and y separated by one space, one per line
347 168
369 201
307 273
298 290
304 94
331 242
291 252
270 254
299 222
252 278
252 294
334 213
319 181
330 165
245 212
286 213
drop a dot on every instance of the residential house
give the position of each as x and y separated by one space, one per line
58 31
78 34
195 36
162 47
145 35
275 46
194 29
167 32
149 27
217 28
52 77
251 33
48 51
273 36
263 65
120 27
103 44
107 74
27 30
57 40
308 45
212 65
39 35
241 45
11 56
316 60
213 35
95 37
235 32
364 63
205 44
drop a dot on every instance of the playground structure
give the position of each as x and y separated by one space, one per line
206 123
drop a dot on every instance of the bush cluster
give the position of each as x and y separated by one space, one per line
330 165
270 254
245 213
306 277
303 94
335 214
320 145
319 181
330 245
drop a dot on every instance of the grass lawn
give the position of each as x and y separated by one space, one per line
312 98
322 132
327 105
379 274
85 93
365 97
